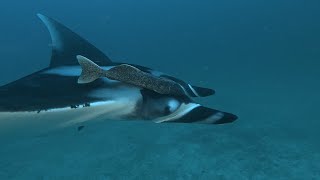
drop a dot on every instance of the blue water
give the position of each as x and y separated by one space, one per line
261 57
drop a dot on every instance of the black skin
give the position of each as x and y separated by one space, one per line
80 128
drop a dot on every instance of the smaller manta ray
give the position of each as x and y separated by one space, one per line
99 88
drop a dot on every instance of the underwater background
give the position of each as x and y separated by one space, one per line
262 58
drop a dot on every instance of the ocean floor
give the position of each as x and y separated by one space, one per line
143 150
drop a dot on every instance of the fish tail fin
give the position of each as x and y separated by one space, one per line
90 70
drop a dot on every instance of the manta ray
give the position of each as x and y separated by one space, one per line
84 82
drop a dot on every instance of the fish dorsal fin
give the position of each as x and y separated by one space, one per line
66 45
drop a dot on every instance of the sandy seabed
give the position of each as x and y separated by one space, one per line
143 150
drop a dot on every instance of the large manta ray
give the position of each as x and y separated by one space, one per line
128 92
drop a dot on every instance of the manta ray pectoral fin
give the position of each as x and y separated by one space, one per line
66 44
90 70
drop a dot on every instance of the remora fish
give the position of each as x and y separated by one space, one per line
54 91
129 74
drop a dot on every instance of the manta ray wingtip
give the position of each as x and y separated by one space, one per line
42 17
39 15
